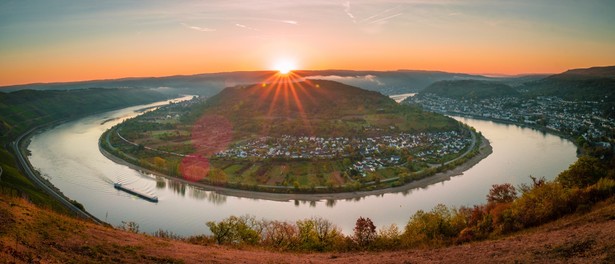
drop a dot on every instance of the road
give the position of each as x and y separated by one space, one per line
470 148
25 165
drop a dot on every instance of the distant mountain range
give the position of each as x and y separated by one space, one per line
596 83
591 84
208 84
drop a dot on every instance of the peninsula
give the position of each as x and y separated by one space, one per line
295 137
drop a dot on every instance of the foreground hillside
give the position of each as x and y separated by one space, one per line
29 234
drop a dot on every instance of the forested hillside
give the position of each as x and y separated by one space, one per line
470 89
592 84
22 110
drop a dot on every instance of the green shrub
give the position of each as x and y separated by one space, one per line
584 172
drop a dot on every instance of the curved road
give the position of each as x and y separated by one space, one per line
25 165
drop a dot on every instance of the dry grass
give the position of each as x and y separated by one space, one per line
29 234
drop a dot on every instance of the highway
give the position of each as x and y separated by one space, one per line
25 166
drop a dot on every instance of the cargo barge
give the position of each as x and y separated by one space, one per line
153 199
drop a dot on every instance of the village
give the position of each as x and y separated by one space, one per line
571 119
369 153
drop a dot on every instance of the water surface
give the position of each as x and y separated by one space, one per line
69 157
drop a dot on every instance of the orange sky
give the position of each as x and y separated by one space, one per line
52 42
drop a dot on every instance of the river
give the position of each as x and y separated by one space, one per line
69 157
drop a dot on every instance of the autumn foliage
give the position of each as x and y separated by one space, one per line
508 209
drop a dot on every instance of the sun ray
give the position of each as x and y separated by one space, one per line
284 94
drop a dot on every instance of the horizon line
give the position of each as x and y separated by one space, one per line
483 74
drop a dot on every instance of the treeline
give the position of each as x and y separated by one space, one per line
508 209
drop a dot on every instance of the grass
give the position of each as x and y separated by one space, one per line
30 234
14 183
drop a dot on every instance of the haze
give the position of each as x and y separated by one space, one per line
51 41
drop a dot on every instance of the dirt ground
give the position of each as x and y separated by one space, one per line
32 235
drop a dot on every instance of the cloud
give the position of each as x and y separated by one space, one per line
352 80
292 22
246 27
198 28
376 19
347 11
384 19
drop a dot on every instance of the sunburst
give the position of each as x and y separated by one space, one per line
287 89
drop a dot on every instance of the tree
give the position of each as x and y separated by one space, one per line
586 171
364 232
236 230
434 227
388 237
502 193
280 235
317 234
217 175
160 162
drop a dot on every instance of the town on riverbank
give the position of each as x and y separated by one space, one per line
582 122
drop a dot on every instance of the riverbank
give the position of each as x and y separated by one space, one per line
542 129
485 150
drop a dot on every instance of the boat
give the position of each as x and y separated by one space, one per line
119 186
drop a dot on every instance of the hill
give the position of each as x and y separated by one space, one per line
284 136
199 84
317 107
591 84
470 89
29 234
606 72
25 109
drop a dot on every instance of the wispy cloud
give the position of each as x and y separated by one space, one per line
347 11
246 27
292 22
379 18
382 16
198 28
384 19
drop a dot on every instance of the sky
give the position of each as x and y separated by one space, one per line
60 40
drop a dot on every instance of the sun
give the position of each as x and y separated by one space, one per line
284 66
